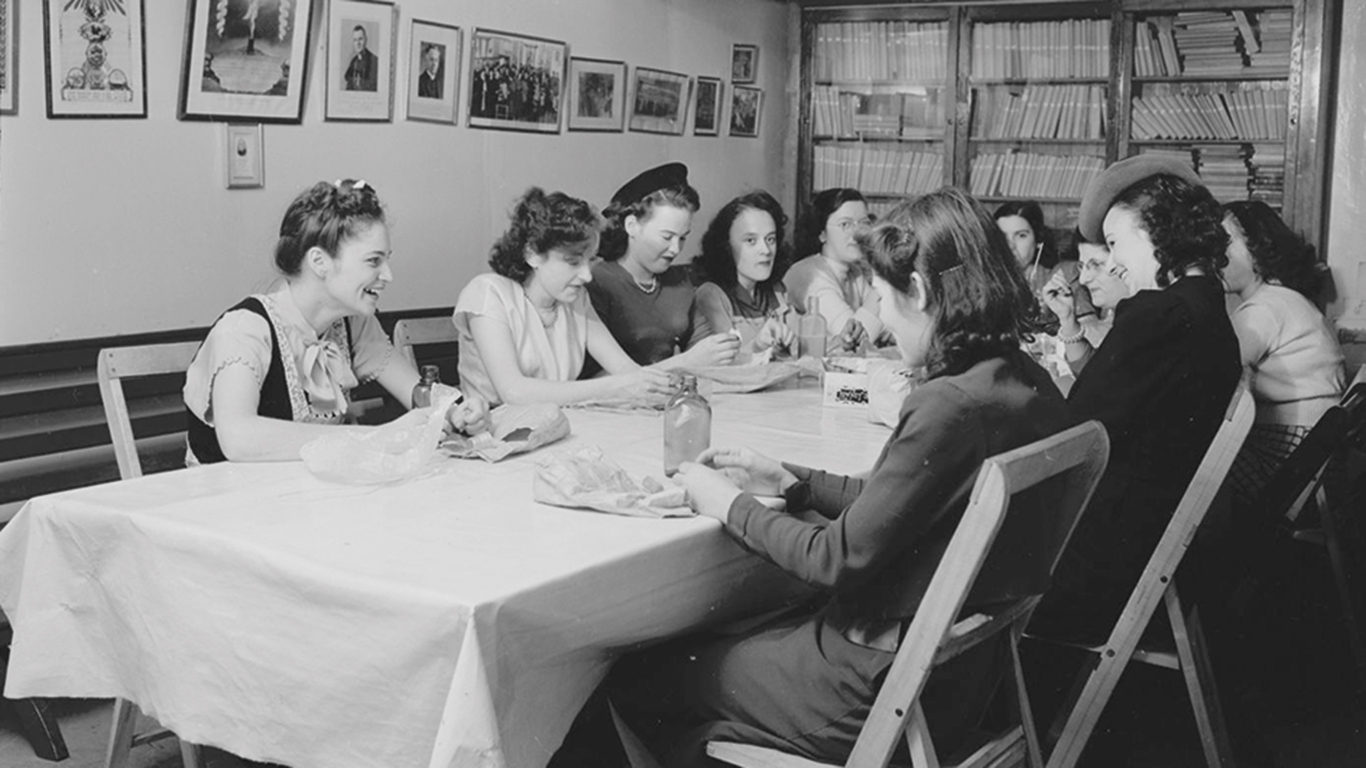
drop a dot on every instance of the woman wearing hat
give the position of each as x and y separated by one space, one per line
1160 383
642 298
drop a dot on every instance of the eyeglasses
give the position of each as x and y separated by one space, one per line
848 224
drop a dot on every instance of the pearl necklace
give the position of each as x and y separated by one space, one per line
647 289
547 315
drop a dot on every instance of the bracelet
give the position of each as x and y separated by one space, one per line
1080 335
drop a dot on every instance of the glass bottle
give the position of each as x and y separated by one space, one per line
422 391
811 331
687 424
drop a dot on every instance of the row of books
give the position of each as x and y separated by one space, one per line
1069 48
917 113
1252 110
1029 174
1247 172
881 50
1039 112
1214 44
876 170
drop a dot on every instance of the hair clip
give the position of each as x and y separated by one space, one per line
950 270
357 184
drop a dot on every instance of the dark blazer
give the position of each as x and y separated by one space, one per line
429 86
363 72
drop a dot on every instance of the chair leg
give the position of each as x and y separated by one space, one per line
1195 667
121 734
1083 707
40 727
919 741
1026 711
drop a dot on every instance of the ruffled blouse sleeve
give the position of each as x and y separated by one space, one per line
240 337
371 350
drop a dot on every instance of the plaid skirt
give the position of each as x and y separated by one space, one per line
1263 452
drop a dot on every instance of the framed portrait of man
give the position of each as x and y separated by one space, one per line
744 63
245 60
360 60
433 71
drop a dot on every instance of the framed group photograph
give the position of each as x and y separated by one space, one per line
244 160
706 116
745 103
361 51
516 82
744 63
96 56
597 95
8 56
433 71
245 60
659 102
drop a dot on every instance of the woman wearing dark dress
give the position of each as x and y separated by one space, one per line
1160 383
957 307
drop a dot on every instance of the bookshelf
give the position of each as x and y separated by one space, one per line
1029 100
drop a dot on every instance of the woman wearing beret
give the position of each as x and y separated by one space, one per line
644 300
1160 383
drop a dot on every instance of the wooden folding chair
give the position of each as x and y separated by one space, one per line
414 331
1043 486
115 365
1098 679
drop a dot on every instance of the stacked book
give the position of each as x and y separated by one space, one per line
877 170
1270 52
1228 111
1211 44
1225 171
1041 49
1208 44
917 113
1266 166
881 50
1039 111
1027 174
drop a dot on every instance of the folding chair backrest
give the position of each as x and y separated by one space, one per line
413 331
1297 477
1077 456
118 363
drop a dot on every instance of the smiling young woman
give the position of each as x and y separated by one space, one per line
276 369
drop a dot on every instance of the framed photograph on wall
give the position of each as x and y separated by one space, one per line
516 82
8 57
243 153
597 95
433 71
361 51
706 116
659 101
245 60
96 57
745 104
744 63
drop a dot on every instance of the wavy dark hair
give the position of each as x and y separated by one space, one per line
1033 215
716 262
542 221
614 237
324 215
1184 222
1278 254
978 299
812 222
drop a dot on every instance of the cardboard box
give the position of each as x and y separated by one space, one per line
845 382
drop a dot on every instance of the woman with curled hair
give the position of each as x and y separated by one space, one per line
526 328
1160 383
958 308
832 269
277 369
742 261
642 298
1283 339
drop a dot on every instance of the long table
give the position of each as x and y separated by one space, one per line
447 621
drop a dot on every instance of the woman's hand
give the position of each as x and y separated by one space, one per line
774 333
1057 296
470 416
853 335
716 349
710 492
649 385
752 472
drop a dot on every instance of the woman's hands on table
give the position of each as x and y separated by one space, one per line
469 416
714 350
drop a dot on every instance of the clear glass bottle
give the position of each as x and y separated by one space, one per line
687 424
811 330
422 391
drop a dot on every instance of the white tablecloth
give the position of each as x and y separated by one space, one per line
449 621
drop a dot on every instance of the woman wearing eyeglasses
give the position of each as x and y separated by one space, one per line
834 273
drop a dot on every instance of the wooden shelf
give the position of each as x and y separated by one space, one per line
1210 78
1202 142
1040 81
853 84
1051 142
877 139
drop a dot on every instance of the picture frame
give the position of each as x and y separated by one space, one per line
362 38
516 82
659 101
597 95
706 115
244 165
9 56
95 55
746 105
434 55
245 60
744 63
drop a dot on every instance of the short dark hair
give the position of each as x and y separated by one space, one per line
323 216
1184 222
614 238
1033 215
1277 252
823 206
716 262
979 300
541 222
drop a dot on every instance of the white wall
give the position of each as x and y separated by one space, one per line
123 226
1346 245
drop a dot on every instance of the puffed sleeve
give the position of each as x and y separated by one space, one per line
1257 326
240 337
481 297
371 349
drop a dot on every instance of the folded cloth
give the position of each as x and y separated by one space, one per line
583 478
